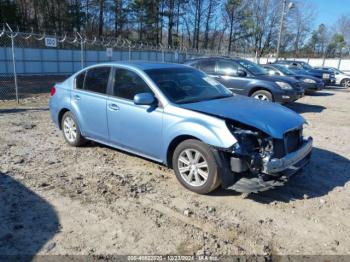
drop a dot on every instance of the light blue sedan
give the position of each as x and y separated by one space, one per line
178 116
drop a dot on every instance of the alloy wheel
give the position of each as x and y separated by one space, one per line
193 167
346 83
261 97
70 129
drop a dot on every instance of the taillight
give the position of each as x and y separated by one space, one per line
52 91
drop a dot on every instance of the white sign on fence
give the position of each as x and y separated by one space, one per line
50 42
109 52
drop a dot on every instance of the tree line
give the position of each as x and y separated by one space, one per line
244 26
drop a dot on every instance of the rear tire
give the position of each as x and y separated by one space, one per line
263 95
195 166
71 130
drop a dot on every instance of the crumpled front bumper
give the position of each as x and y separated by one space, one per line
291 162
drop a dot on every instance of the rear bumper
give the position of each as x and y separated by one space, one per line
53 113
292 162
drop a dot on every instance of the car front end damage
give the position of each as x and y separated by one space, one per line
259 162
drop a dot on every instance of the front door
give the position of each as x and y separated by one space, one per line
137 128
227 72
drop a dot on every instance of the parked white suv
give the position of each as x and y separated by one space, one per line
341 78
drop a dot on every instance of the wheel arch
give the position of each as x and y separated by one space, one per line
173 144
60 116
257 88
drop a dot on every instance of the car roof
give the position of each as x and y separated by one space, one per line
328 67
144 65
285 61
290 61
213 58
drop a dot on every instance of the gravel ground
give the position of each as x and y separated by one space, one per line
57 199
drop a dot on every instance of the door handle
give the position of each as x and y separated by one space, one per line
113 107
76 97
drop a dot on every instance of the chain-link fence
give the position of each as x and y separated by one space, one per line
31 63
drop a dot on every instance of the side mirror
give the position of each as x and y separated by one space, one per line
241 73
144 99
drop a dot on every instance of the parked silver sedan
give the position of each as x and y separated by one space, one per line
341 78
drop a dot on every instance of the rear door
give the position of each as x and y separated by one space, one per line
134 127
89 99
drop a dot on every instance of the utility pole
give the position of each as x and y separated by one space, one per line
290 6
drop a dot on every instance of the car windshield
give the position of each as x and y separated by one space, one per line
186 85
306 65
253 68
284 70
335 70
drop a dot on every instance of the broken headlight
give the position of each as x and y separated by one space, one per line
252 145
305 127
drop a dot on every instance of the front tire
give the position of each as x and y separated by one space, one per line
345 82
71 131
195 166
263 95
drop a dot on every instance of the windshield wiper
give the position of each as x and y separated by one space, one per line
219 97
204 99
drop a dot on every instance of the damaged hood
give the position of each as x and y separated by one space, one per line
271 118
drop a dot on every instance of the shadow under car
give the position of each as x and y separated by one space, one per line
305 108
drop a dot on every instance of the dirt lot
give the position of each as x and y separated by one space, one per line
57 199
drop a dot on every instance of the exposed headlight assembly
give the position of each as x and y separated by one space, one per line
309 81
284 85
305 127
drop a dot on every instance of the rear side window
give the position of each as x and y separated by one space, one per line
206 66
79 81
96 79
127 84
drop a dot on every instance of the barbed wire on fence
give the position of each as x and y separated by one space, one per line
27 58
39 55
106 42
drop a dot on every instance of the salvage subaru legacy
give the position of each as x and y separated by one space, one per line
179 116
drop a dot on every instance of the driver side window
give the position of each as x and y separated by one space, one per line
128 83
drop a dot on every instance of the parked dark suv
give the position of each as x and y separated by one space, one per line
303 68
309 83
247 78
